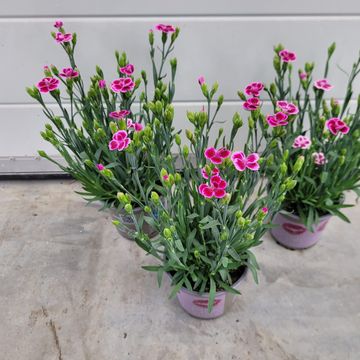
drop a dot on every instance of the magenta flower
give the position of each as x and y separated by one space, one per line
63 38
102 84
134 125
119 114
216 156
120 141
279 119
241 161
265 210
254 88
122 85
319 158
251 104
323 84
206 191
166 177
217 188
100 167
165 28
69 73
201 80
287 108
48 84
303 76
335 125
287 56
58 24
301 142
214 171
128 69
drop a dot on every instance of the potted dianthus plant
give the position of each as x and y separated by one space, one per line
326 132
99 130
211 215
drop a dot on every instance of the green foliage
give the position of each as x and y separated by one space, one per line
320 188
81 128
202 243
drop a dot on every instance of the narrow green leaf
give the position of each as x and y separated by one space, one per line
211 294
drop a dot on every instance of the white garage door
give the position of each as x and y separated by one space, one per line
229 41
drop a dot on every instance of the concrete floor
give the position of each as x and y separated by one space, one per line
72 289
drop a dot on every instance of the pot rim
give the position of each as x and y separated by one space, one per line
290 215
218 293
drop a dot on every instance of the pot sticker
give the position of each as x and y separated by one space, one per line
293 228
204 303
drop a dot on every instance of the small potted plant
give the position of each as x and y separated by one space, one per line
327 133
216 211
98 131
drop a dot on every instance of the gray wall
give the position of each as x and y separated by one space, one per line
229 41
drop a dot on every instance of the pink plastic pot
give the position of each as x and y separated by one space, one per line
197 305
293 234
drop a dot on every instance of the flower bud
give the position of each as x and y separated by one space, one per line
290 184
226 199
286 155
220 100
270 160
169 113
273 89
47 71
331 49
276 63
241 95
224 235
173 63
186 151
100 132
238 214
157 123
273 144
147 209
42 153
251 123
163 172
108 173
128 208
151 37
116 222
249 236
241 222
202 118
122 198
204 90
54 70
283 169
154 197
158 107
191 116
167 233
298 164
189 134
196 254
214 88
177 178
237 121
88 163
177 139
